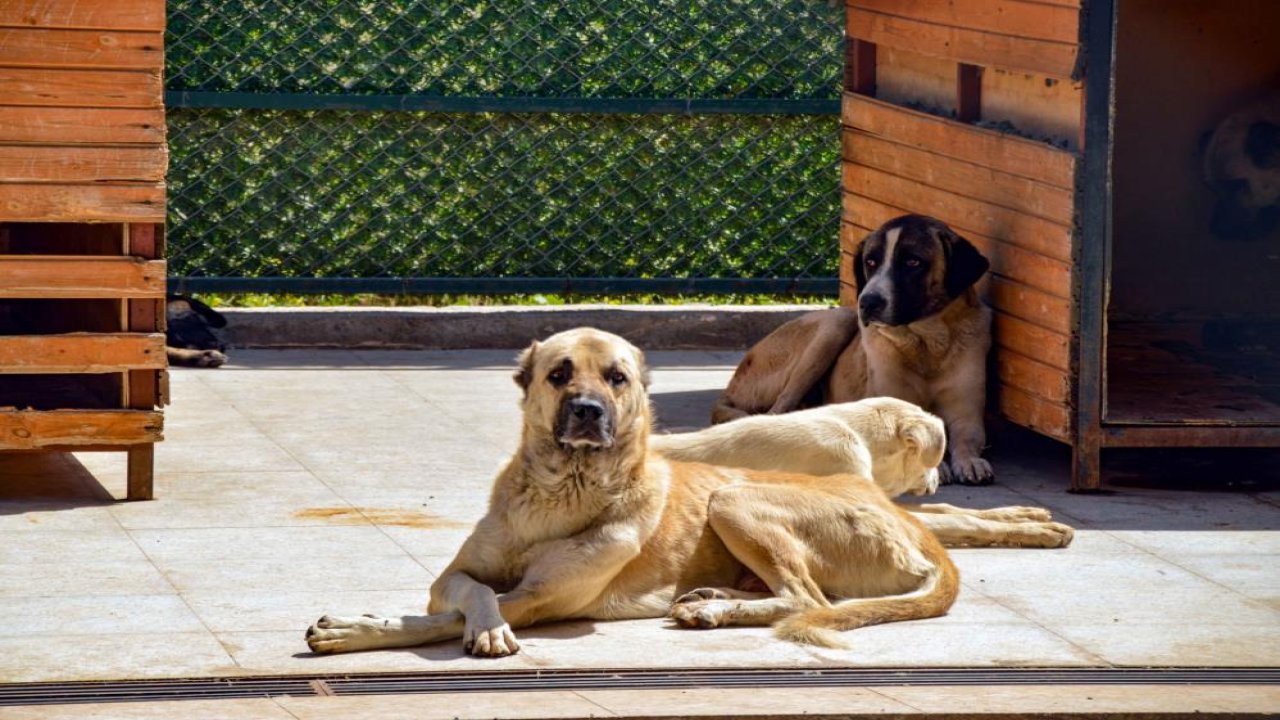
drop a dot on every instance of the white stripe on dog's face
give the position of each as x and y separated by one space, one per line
881 282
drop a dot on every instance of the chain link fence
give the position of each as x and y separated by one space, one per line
517 146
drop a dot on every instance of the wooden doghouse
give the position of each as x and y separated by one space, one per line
82 203
1062 138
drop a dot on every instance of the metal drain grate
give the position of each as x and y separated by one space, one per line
456 682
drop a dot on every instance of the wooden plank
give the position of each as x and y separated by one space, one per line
62 164
860 66
80 276
1027 303
81 88
81 352
1057 59
61 126
1046 346
37 202
96 49
1035 20
968 179
116 14
1155 436
1020 371
968 92
1043 108
36 429
848 291
140 475
1041 272
989 148
1040 415
964 214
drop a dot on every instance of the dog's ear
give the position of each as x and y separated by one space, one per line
926 436
524 366
643 365
964 263
211 316
1262 144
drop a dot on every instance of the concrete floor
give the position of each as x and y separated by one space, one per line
293 484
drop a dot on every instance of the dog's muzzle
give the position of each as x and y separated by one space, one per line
585 422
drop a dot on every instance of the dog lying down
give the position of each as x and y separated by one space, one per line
585 522
190 336
893 442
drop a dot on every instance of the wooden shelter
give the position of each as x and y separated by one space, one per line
82 205
1062 138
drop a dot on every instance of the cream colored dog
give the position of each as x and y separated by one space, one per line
585 522
894 442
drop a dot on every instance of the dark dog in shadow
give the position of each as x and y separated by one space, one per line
191 339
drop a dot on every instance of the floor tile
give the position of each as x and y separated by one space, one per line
469 706
291 611
31 616
253 709
732 702
106 576
51 658
297 574
1190 644
286 653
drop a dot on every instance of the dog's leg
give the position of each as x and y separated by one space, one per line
806 369
367 632
966 437
964 530
1008 513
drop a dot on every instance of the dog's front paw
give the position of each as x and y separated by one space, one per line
495 642
706 593
967 471
343 634
1055 535
700 613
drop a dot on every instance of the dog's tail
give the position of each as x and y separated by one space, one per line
819 626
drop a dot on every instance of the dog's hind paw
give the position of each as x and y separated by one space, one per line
337 634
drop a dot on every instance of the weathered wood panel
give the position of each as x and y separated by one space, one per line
962 44
960 212
1046 383
1040 106
78 276
1031 305
1032 412
36 429
969 179
36 202
116 14
1035 20
998 151
81 353
81 88
28 163
107 126
1047 346
95 49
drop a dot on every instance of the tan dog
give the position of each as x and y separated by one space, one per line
895 443
584 522
919 334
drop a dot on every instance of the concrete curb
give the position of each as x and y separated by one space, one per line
675 327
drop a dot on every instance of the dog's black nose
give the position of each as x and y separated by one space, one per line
871 304
586 409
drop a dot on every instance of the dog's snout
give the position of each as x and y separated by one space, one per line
871 304
586 409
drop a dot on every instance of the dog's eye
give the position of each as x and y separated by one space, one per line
615 377
557 377
913 262
871 263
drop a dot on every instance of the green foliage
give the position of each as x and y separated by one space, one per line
257 193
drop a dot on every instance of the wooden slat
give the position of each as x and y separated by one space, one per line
1031 305
81 88
968 92
36 429
963 45
37 163
1046 383
962 213
116 14
96 49
81 352
36 202
848 291
989 148
105 126
1049 347
973 180
1040 415
77 276
860 66
1035 20
1041 272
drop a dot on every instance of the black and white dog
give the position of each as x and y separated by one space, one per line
191 339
